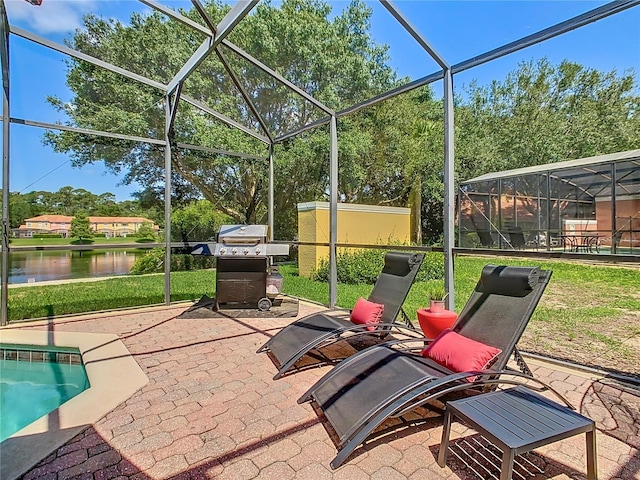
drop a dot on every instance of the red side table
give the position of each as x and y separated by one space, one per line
432 323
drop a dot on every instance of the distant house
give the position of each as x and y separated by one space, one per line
61 224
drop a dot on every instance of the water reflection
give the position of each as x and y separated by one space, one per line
26 267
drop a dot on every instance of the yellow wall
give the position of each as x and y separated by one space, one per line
361 224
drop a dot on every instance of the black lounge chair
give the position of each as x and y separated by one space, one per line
389 379
486 239
320 329
516 237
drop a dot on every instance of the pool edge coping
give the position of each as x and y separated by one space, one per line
113 374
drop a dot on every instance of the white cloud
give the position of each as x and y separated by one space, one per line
53 16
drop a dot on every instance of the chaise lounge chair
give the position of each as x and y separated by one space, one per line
390 379
320 329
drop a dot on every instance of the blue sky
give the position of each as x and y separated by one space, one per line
458 30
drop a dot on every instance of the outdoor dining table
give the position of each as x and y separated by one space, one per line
581 242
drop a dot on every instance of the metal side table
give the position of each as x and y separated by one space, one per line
518 420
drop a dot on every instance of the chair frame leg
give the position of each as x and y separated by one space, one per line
444 444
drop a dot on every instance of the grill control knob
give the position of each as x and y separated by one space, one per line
245 251
234 251
258 251
223 251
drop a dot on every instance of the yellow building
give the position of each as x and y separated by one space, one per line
357 224
61 224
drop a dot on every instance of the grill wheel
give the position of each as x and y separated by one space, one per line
264 304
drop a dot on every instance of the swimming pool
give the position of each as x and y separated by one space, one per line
35 382
114 376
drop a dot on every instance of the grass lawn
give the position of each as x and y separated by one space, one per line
588 314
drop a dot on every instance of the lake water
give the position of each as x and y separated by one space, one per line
26 267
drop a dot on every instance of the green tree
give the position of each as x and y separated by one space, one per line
146 232
81 227
333 57
544 113
197 221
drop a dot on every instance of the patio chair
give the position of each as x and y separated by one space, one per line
320 329
485 237
516 237
391 379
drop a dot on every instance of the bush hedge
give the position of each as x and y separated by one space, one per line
153 262
364 266
47 235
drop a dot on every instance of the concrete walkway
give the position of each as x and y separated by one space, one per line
211 410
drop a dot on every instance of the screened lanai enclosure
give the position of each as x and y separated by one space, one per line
589 206
198 100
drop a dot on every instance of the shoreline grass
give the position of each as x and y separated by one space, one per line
614 286
44 242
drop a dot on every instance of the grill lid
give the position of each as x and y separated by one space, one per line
241 241
242 233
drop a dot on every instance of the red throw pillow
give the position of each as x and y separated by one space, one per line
459 353
366 312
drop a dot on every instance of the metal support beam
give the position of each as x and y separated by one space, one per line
553 31
223 118
146 81
449 188
257 63
420 82
205 16
500 222
175 101
333 213
271 193
234 78
238 51
245 95
614 213
4 58
169 109
219 151
418 37
171 13
460 195
548 212
87 58
231 19
365 104
85 131
240 10
298 131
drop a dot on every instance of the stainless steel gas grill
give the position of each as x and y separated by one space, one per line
243 257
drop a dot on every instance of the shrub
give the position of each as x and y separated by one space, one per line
364 266
47 235
432 267
153 262
82 241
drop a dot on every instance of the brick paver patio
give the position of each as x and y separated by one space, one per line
211 410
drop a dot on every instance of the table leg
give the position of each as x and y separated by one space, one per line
592 462
507 464
444 443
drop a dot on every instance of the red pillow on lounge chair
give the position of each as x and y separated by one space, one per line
459 353
366 312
